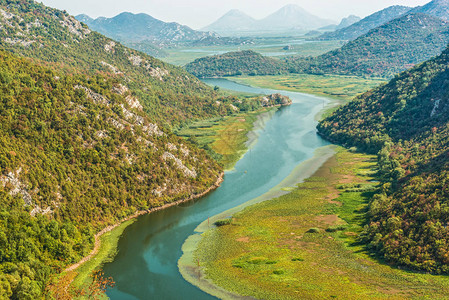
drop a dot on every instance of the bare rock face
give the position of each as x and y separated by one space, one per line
275 99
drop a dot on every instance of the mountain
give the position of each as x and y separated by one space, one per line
348 21
406 122
168 94
85 140
384 51
235 63
291 17
436 8
233 21
129 27
363 26
288 18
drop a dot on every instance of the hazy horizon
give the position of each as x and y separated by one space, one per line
200 13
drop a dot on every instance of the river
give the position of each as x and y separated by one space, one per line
145 266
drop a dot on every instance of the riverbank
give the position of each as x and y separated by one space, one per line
342 88
189 266
106 243
227 139
304 244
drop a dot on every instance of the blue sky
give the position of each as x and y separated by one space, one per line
199 13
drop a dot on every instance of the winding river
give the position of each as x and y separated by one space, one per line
145 266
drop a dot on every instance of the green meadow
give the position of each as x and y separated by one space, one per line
304 245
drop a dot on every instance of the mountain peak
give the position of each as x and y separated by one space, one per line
436 8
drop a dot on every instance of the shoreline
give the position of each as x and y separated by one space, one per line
97 244
193 273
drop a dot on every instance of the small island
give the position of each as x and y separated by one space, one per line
275 100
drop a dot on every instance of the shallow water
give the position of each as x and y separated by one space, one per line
148 251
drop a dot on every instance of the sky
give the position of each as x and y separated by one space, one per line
199 13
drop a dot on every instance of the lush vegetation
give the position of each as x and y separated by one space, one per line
366 24
334 86
382 52
245 62
75 157
406 123
170 95
304 245
225 139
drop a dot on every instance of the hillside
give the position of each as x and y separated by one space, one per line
436 8
78 153
366 24
169 95
407 121
235 63
384 51
129 27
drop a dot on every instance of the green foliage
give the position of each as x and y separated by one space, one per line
169 94
382 52
245 62
224 222
70 164
406 123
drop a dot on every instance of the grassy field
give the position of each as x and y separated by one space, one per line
224 138
304 245
333 86
266 46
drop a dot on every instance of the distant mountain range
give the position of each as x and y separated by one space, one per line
289 18
366 24
131 27
150 35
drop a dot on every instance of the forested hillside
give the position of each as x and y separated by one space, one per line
406 122
366 24
245 62
168 94
384 51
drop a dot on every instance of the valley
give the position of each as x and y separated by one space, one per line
275 152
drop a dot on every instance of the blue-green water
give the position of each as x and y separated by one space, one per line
146 264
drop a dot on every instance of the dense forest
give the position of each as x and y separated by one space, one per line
384 51
75 157
245 62
169 95
406 123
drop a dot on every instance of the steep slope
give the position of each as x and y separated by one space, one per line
168 94
348 21
78 153
407 120
128 27
233 21
384 51
436 8
291 17
235 63
366 24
